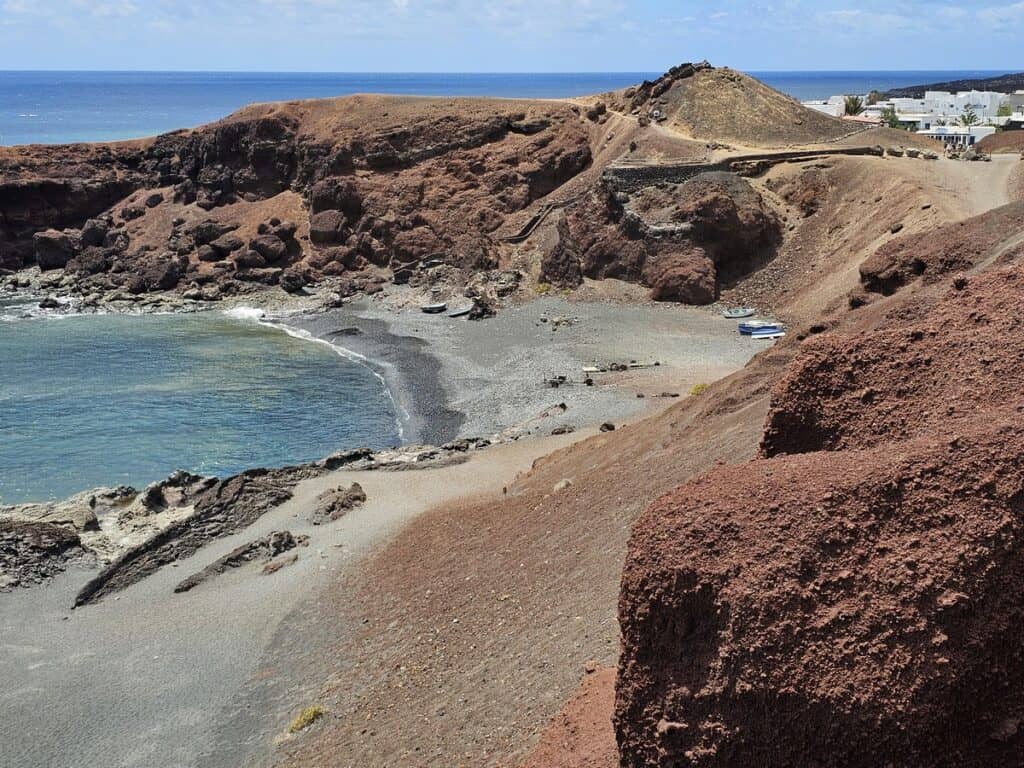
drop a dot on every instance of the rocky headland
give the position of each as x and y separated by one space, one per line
820 548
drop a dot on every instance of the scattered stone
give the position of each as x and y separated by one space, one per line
607 427
333 504
266 549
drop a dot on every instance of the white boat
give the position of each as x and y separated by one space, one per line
737 313
767 334
434 309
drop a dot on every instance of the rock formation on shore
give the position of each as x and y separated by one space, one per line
363 190
681 240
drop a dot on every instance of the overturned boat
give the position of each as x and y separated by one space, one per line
434 309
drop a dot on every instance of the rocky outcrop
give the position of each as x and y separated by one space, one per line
684 241
852 597
220 508
335 503
32 551
388 184
262 550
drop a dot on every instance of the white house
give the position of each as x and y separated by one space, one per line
834 106
958 136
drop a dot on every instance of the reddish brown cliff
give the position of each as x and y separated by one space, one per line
855 602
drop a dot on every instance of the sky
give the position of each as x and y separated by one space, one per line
510 35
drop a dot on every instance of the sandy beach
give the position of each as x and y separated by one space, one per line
458 378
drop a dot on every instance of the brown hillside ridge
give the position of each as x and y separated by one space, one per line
852 599
350 193
386 182
1003 141
724 105
994 237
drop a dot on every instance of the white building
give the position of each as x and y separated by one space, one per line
834 106
942 108
959 136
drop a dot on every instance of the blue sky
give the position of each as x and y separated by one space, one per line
509 35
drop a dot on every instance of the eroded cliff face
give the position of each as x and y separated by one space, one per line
853 597
683 241
385 184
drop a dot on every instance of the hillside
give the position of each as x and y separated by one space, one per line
723 105
1003 83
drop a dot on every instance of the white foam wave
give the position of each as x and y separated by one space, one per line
244 312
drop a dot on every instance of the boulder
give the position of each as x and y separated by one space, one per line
285 230
246 259
207 231
293 280
206 253
93 232
328 227
333 504
54 248
131 212
162 275
227 243
689 278
153 200
271 247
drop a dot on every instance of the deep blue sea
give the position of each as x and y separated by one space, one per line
56 107
101 400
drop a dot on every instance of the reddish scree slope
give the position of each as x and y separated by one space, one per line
858 601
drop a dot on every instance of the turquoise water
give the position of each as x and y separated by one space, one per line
104 400
54 107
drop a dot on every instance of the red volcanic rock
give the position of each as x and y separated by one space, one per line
854 599
53 248
689 277
327 227
856 608
913 377
682 240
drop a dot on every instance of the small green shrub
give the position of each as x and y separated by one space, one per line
543 288
698 389
306 718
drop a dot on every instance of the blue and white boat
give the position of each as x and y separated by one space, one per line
753 326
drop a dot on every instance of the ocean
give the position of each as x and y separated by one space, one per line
103 400
58 107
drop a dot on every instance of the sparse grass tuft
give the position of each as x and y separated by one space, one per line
543 288
306 718
698 389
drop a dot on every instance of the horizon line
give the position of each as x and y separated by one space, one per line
483 72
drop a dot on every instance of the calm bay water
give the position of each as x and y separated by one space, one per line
54 107
104 400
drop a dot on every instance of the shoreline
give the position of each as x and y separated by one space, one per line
452 379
